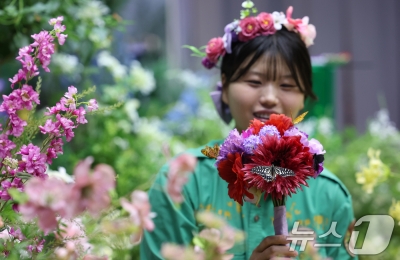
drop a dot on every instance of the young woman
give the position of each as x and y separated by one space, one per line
264 71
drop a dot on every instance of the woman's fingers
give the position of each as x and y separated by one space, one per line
271 240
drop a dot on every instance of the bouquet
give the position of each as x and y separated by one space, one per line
272 157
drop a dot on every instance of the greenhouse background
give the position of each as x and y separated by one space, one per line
158 95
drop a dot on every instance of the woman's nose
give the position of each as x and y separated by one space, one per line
269 96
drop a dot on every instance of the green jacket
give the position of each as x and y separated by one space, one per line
325 200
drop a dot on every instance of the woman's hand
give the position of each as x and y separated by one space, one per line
273 246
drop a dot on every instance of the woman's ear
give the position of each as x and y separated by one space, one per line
224 90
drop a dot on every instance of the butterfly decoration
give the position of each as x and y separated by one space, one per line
268 173
299 118
211 152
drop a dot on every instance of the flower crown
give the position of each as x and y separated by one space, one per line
249 27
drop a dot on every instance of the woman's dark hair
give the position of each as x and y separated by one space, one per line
284 45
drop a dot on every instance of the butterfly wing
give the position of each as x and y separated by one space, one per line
264 171
283 172
211 152
299 118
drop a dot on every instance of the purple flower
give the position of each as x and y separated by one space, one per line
232 144
316 147
251 143
247 133
230 35
269 130
207 63
294 131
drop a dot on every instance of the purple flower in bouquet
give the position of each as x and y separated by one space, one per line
294 131
251 143
269 130
232 144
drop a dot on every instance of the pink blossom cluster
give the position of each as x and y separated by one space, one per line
15 234
73 238
179 170
213 242
51 198
64 111
139 212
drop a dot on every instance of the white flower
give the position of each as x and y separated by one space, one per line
381 126
100 36
67 63
105 59
325 126
93 11
279 20
131 107
61 174
141 79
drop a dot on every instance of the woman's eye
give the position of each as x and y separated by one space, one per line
287 86
254 82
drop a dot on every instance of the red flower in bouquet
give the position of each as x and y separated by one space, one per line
285 152
281 122
231 171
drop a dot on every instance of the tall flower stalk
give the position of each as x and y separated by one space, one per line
20 159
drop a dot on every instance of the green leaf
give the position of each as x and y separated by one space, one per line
248 4
17 195
244 14
196 52
254 10
198 242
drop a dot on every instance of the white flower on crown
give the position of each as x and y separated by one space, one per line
279 20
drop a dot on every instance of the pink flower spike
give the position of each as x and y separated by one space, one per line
61 38
92 105
178 175
17 77
58 20
80 113
72 91
28 96
32 161
50 128
16 125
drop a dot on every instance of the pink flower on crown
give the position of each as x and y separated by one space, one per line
291 23
249 29
307 32
215 49
266 23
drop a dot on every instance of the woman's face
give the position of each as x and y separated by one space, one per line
255 96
